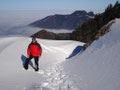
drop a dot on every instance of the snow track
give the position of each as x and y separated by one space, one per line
51 75
57 79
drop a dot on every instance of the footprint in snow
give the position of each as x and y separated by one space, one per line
44 84
40 72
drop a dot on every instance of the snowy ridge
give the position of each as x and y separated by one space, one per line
97 68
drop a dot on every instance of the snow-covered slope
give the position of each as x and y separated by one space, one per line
97 68
14 77
62 65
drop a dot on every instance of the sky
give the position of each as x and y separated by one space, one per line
88 5
17 13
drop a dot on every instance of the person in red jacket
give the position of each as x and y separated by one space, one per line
34 51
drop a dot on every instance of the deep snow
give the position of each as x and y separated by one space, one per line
63 66
98 67
14 77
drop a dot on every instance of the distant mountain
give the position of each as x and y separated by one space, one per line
70 21
50 35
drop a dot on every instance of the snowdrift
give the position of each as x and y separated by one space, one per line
12 55
97 68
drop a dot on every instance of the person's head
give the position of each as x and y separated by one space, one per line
34 40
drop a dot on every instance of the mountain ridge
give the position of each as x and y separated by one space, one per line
68 21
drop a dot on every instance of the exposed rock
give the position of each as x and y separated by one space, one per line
50 35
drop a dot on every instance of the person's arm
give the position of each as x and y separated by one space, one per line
40 49
28 51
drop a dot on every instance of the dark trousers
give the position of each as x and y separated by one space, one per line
36 59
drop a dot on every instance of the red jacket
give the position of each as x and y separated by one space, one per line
34 49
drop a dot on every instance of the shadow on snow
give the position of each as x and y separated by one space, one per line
23 58
77 50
